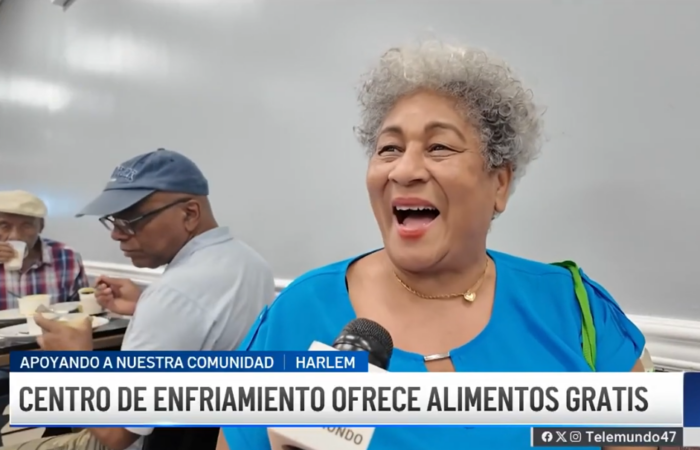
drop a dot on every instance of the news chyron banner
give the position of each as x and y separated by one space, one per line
326 389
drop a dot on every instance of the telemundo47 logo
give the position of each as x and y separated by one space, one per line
547 436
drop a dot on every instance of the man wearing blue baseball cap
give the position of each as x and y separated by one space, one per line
133 181
212 290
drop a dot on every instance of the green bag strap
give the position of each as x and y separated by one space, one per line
588 328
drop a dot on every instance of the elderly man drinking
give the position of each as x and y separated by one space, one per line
45 266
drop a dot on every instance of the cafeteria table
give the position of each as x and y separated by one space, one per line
106 337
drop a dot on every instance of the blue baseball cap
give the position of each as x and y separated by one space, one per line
139 177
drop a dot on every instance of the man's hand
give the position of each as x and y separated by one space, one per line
118 295
61 336
7 252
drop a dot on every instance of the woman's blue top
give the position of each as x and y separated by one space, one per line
535 327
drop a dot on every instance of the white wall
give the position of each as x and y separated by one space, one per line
260 94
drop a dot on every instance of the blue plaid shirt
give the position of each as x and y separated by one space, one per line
59 273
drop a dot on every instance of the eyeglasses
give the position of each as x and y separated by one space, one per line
127 225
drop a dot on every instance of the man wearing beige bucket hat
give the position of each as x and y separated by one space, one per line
29 263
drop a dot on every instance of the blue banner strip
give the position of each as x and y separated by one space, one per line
235 361
691 399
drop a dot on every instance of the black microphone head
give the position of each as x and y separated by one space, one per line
369 329
367 335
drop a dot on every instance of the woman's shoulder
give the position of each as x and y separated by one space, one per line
527 267
319 277
322 288
315 306
546 285
546 293
543 277
529 277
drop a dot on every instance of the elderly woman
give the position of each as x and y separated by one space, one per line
449 132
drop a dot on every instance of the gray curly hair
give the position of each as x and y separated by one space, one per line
486 89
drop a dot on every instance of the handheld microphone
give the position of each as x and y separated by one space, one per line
361 335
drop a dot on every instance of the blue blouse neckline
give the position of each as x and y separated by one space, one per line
499 304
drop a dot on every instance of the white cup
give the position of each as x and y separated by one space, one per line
20 249
29 303
88 302
33 328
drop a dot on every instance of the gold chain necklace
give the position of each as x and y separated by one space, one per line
469 295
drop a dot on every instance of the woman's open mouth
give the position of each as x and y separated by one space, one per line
413 221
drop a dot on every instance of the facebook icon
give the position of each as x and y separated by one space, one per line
547 436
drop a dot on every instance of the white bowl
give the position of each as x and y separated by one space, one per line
29 304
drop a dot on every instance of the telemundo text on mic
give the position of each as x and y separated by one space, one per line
332 388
